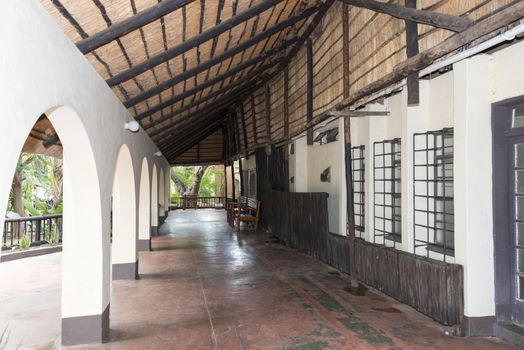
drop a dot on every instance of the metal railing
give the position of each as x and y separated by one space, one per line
39 229
193 202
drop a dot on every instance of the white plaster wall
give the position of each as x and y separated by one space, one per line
300 165
44 69
320 157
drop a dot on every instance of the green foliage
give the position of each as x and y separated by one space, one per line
25 242
208 186
52 237
41 179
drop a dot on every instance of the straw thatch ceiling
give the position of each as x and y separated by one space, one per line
43 139
177 65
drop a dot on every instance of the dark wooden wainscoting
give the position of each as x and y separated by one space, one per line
432 287
301 220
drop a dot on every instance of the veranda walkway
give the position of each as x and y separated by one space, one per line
204 286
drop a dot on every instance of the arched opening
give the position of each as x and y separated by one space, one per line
154 201
123 249
144 209
161 196
84 289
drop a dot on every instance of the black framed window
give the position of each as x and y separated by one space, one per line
433 204
327 136
387 192
358 179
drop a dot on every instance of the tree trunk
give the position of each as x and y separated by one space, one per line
18 204
178 183
195 186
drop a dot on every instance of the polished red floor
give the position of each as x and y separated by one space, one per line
206 287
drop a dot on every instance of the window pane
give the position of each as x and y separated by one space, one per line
518 117
520 260
519 228
520 287
519 208
519 155
519 181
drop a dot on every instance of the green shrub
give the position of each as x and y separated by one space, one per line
53 236
25 242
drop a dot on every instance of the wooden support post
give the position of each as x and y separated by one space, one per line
244 129
267 111
224 155
233 179
345 49
237 131
286 102
242 184
225 185
412 50
347 149
309 90
254 116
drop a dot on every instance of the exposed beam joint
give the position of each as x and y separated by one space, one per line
434 19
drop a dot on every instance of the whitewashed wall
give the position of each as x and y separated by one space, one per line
461 99
41 69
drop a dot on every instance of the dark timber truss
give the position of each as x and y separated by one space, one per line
190 71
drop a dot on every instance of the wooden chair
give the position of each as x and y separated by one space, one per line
232 208
249 213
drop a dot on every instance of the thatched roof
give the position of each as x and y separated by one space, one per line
188 68
175 108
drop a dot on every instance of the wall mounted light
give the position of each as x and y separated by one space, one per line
132 126
158 153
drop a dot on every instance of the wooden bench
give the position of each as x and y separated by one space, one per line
250 213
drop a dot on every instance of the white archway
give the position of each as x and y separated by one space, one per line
144 209
161 196
85 276
124 256
154 201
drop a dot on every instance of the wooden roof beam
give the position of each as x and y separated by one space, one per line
172 82
202 86
177 149
425 58
209 109
130 24
434 19
223 56
192 42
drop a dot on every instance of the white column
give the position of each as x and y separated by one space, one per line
414 119
472 190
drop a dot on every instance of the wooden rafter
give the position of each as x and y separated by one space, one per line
191 43
424 59
172 82
435 19
211 82
201 114
130 24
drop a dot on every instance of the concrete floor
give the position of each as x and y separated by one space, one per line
206 287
